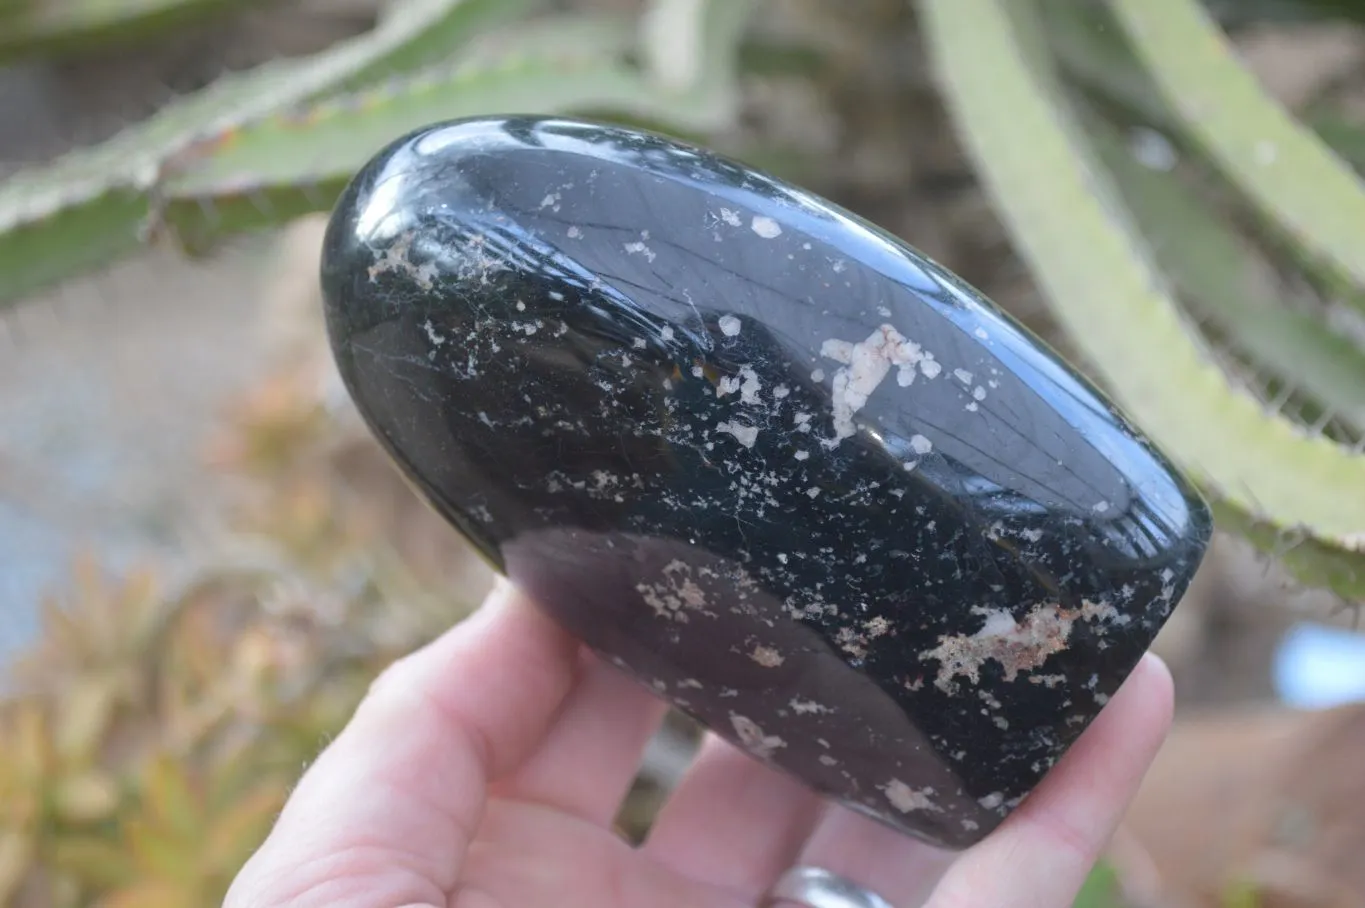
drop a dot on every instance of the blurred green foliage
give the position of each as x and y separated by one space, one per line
62 28
152 734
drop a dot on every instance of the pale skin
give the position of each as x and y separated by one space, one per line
485 770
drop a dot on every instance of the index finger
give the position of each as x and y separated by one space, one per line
388 809
1041 855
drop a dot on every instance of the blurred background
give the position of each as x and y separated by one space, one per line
204 559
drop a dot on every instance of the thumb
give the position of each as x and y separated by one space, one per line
385 814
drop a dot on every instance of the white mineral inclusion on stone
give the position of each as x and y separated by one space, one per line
432 334
639 248
745 435
765 227
905 799
729 325
749 386
866 365
1018 645
753 737
767 656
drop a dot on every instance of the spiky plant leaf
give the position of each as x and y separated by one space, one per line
1070 225
585 36
1092 51
170 801
1303 190
95 861
434 30
1226 283
239 828
85 210
84 799
282 167
56 27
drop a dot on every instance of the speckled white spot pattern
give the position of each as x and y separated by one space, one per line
866 364
766 227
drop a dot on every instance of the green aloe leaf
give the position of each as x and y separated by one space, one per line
1091 49
1267 477
432 31
1303 190
85 210
283 166
57 27
589 37
1224 280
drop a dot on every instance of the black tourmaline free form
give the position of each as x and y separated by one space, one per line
807 485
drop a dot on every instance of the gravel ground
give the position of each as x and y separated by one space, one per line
107 391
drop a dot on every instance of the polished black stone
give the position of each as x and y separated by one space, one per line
806 484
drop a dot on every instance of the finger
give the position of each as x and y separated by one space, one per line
389 808
899 868
572 867
590 757
732 821
1042 854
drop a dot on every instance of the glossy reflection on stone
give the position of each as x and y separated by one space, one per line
807 485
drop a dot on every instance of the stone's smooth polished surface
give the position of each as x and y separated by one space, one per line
806 484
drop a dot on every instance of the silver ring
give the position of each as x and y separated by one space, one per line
814 887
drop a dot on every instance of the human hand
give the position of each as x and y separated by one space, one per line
485 770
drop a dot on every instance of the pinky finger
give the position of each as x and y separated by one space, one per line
1041 855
